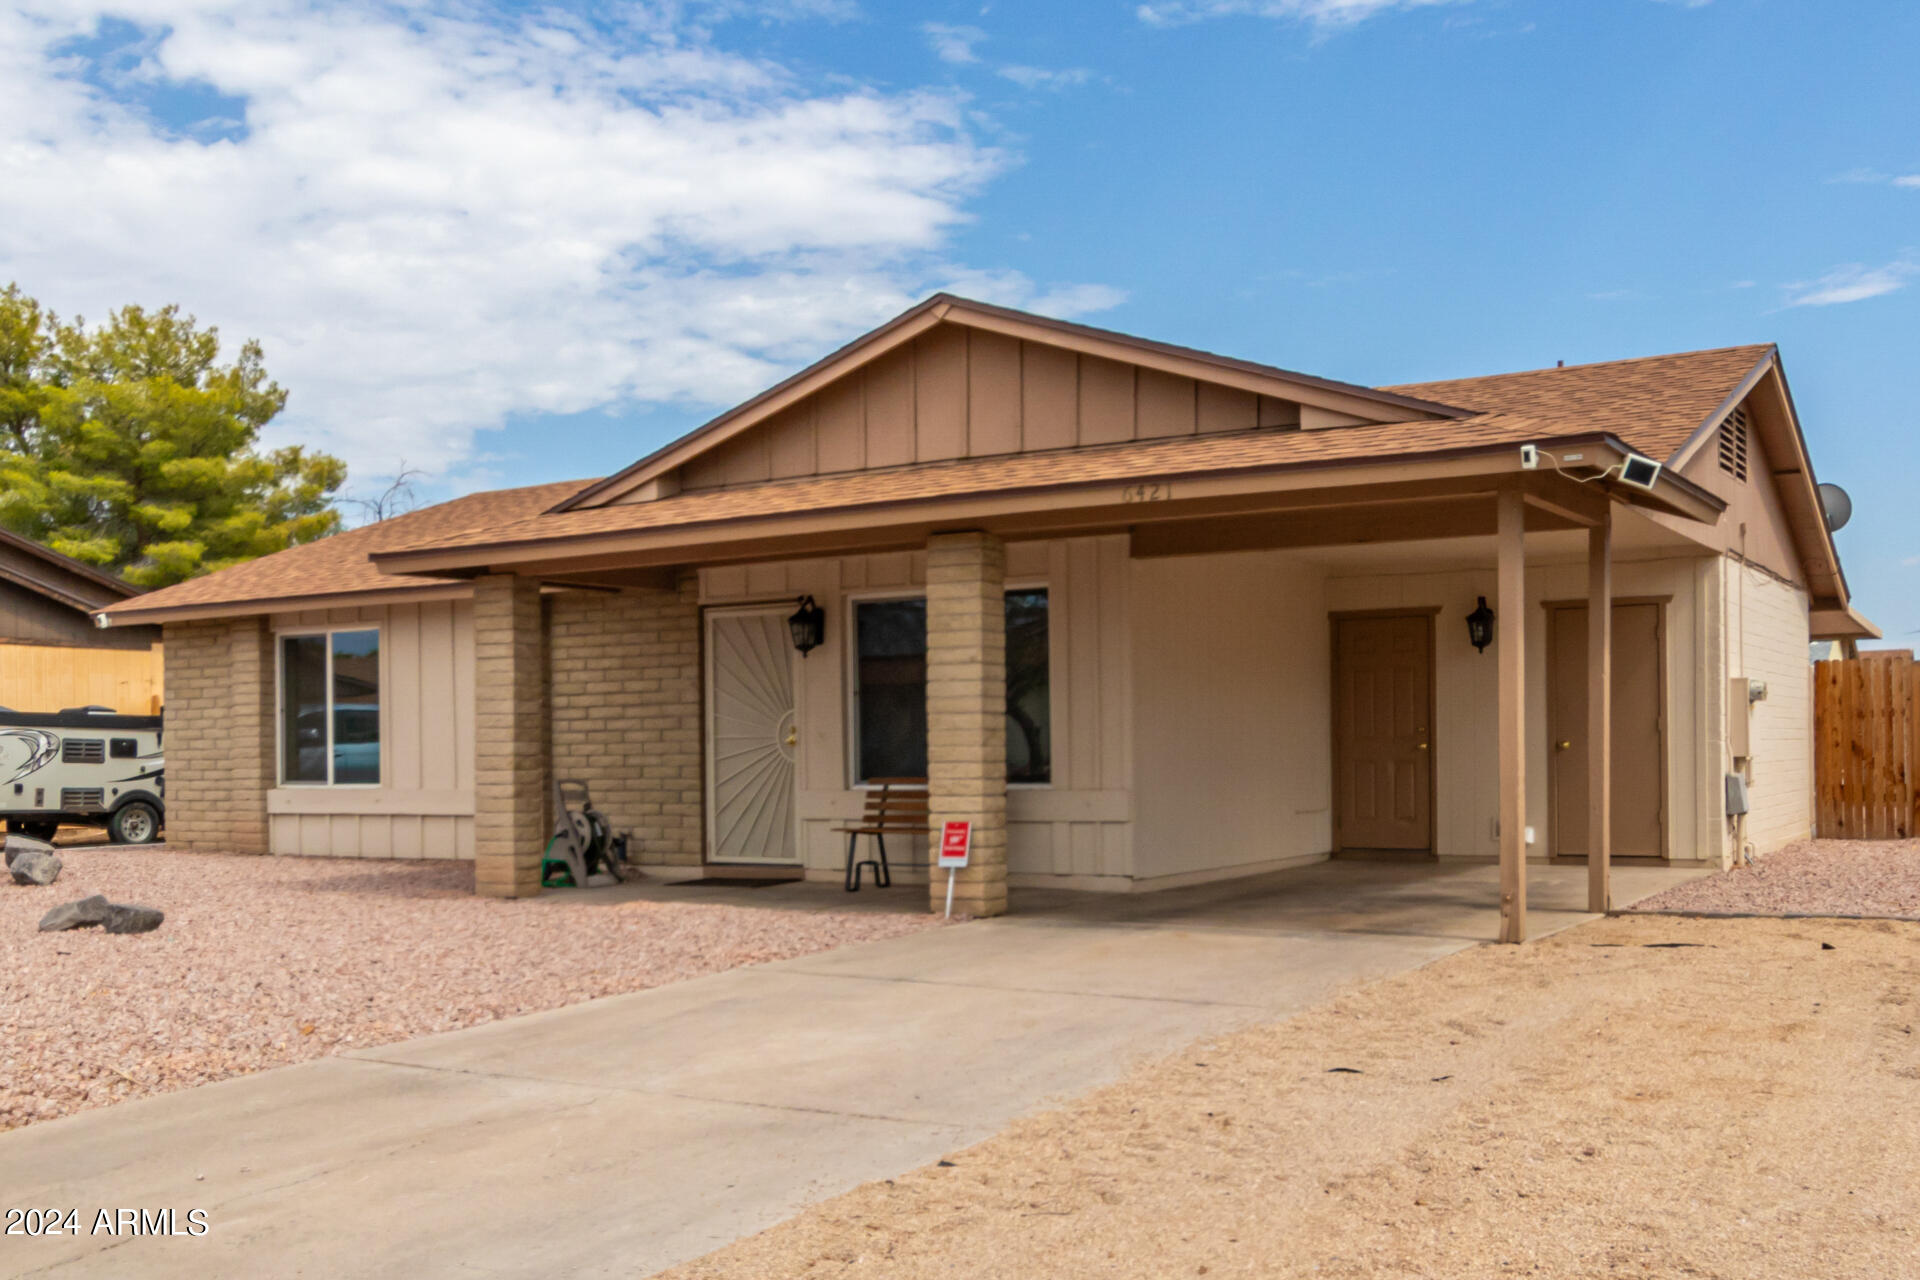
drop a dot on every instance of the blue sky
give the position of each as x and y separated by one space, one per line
528 245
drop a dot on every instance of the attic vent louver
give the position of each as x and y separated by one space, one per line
1733 444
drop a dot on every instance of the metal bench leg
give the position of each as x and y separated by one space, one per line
853 868
882 873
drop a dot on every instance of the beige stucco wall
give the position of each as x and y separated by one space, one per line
1467 780
1076 831
1232 711
423 807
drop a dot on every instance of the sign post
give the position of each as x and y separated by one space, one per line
956 839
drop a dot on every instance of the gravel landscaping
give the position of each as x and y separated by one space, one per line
268 961
1877 878
1639 1096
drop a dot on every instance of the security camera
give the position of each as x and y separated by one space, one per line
1529 456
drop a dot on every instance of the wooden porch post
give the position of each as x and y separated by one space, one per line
1600 713
1512 712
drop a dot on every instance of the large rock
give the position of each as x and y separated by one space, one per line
127 917
34 866
76 915
18 844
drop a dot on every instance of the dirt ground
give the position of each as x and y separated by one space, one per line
1639 1096
267 961
1810 877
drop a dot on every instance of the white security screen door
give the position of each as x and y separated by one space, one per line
751 737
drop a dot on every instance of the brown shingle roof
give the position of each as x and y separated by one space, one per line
1654 404
339 565
1114 463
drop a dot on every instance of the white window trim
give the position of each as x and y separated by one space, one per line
280 705
850 660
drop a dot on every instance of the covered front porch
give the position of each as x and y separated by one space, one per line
1201 723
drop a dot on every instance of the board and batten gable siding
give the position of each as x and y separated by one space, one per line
1466 766
956 392
1075 832
1768 640
423 807
1233 706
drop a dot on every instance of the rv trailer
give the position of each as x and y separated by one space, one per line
88 766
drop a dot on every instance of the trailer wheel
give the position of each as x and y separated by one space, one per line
135 822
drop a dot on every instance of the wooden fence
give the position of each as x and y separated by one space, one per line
1867 746
37 677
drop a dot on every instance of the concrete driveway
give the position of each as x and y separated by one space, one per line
617 1137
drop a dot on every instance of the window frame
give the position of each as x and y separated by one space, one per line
280 703
850 669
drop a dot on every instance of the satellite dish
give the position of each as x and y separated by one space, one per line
1838 506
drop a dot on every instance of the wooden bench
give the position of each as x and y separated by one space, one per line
895 806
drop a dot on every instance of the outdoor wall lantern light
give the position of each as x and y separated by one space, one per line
1480 626
808 624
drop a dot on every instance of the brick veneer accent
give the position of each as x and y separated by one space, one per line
626 712
967 710
219 734
510 725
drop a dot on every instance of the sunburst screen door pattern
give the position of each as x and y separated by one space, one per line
751 737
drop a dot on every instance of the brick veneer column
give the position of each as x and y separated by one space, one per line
967 710
510 750
219 734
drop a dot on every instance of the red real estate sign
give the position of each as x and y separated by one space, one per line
955 840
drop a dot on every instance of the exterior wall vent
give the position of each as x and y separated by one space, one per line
81 799
83 751
1733 444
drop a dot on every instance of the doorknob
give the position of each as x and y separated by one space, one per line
793 736
1423 746
1562 746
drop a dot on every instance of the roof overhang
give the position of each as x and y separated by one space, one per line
1834 620
1086 507
129 615
1339 397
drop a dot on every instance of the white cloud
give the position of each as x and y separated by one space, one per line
1853 282
1907 180
953 44
1046 78
1874 177
1323 13
435 219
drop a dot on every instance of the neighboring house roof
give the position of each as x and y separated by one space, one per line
78 585
339 565
1655 404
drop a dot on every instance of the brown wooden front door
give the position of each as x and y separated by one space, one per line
1639 730
1382 721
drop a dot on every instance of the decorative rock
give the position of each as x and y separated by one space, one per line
127 917
18 844
76 915
34 866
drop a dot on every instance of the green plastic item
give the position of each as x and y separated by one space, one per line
554 872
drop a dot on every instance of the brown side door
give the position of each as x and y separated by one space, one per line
1639 730
1382 717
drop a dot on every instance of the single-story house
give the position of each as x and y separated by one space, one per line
52 655
1144 615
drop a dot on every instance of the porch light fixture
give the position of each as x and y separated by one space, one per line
1480 626
808 625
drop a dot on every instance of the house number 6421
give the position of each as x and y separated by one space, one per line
1146 493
